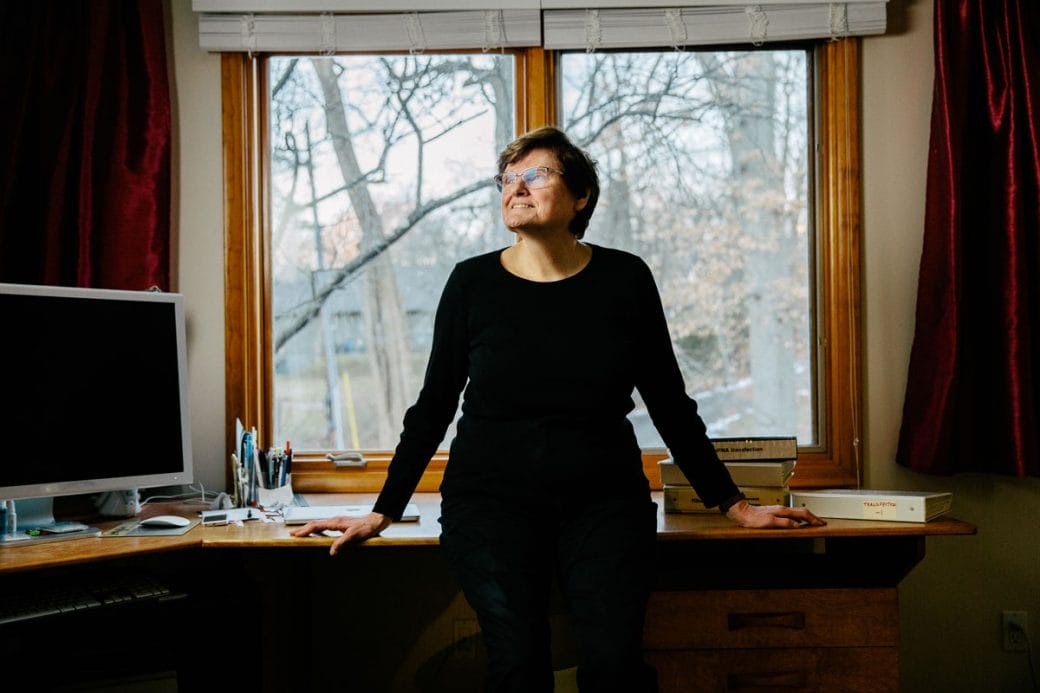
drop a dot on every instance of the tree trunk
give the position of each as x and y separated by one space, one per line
333 406
386 339
751 133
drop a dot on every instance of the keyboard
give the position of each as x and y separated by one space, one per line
74 592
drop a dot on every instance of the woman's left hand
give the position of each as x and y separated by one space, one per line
780 516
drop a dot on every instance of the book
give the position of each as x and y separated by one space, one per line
683 499
756 448
762 473
302 514
771 473
868 504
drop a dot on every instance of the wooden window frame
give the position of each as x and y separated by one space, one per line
836 461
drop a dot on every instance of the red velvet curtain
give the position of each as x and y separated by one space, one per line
84 144
974 377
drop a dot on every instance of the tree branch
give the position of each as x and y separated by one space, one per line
352 268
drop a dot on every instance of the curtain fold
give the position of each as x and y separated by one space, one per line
972 389
85 144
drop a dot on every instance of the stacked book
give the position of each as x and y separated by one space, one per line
761 467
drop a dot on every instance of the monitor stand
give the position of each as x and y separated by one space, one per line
34 524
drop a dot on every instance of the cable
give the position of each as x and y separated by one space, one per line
200 500
1030 658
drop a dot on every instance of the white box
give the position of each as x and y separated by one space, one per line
868 504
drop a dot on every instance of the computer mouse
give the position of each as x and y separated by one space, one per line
164 522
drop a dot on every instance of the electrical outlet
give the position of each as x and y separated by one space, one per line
1015 629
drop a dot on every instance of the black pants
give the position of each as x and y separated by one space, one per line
602 552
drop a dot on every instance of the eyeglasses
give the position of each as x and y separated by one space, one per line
534 177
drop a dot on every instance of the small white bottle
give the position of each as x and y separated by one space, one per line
11 523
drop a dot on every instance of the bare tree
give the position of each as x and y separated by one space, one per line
702 170
696 154
751 132
406 111
384 316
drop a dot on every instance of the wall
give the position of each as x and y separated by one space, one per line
951 603
198 218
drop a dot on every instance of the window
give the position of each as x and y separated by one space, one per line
704 162
731 172
380 182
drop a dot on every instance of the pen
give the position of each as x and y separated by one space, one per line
252 468
283 477
248 466
243 483
275 471
265 472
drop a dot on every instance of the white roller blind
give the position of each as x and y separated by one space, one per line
646 4
345 6
719 24
348 25
383 6
327 32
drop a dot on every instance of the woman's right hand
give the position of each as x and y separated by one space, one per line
354 529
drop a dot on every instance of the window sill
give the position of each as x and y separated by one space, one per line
314 473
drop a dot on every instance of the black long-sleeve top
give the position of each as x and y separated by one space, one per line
549 370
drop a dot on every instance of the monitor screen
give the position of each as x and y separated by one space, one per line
93 391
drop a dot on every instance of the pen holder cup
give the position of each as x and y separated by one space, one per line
275 498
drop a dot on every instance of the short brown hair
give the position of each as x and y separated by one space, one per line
579 169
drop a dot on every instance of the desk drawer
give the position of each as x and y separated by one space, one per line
826 670
772 618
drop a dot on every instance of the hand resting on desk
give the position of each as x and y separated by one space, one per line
355 529
358 529
779 516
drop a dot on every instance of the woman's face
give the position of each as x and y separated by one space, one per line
539 210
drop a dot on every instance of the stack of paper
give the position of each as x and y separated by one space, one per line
761 467
299 515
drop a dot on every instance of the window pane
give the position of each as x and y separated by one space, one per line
704 162
380 181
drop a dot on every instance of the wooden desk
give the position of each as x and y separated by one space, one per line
708 528
807 609
812 609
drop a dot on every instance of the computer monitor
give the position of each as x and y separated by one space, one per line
93 391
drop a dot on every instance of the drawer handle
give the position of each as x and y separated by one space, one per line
794 620
758 681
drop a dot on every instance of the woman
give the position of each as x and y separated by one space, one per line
549 337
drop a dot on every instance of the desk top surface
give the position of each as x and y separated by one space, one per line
256 534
